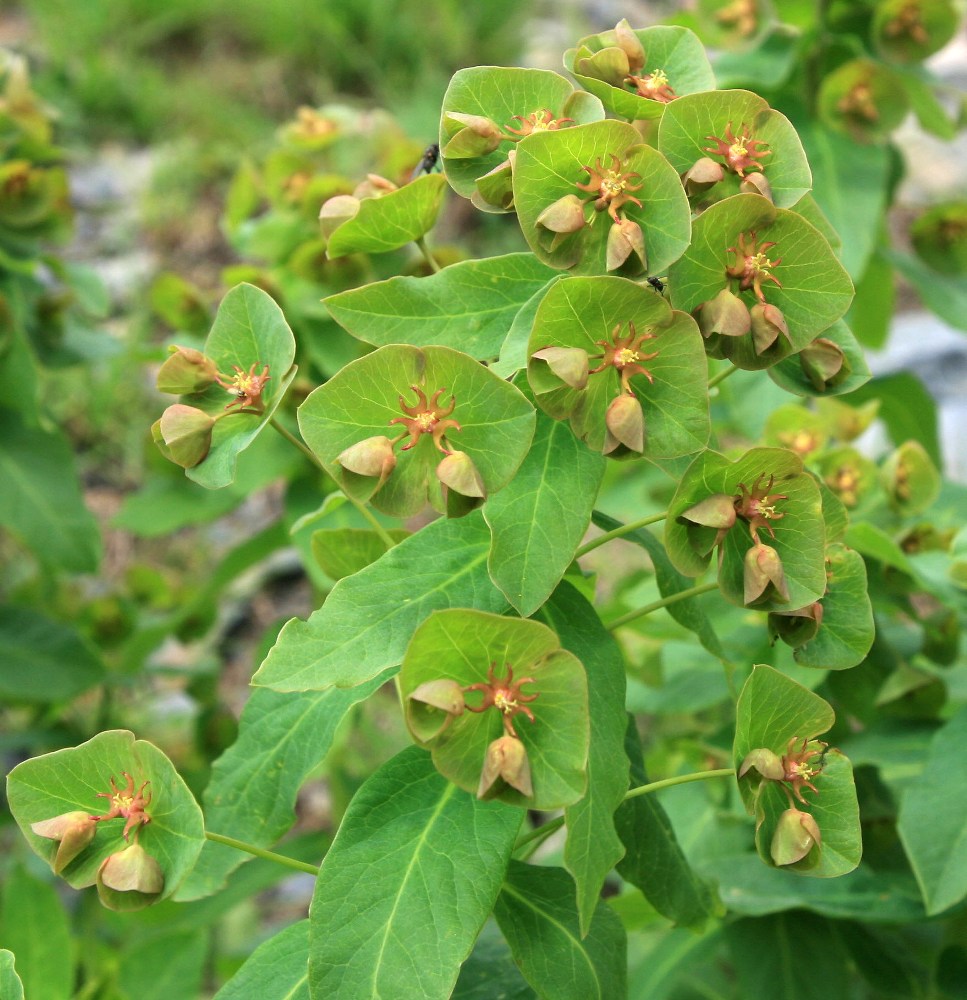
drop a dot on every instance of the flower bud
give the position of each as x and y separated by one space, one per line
715 512
763 568
186 371
187 434
624 239
73 830
432 707
463 489
794 837
495 189
374 187
629 43
701 175
477 136
725 314
506 758
756 183
625 423
335 212
566 215
569 364
767 763
796 628
372 457
129 879
768 324
824 363
610 64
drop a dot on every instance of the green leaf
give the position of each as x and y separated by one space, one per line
580 312
767 66
468 306
773 709
539 518
944 294
278 967
932 822
689 123
249 329
791 375
253 787
490 971
41 500
799 533
871 313
391 220
344 551
549 166
168 965
11 986
675 51
513 351
789 956
846 632
406 886
44 660
593 846
654 861
461 645
815 290
688 613
36 929
907 409
495 423
69 780
536 912
368 619
851 185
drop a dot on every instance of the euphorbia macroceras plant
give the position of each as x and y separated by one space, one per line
489 452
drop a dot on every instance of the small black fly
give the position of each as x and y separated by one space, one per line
657 284
428 163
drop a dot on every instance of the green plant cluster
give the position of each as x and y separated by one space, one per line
792 634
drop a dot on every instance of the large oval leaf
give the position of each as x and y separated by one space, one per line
406 886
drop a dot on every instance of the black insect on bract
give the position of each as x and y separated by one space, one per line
428 163
657 284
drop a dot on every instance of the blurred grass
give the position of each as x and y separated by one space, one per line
224 70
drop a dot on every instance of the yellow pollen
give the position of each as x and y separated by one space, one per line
658 78
738 148
612 184
626 356
426 421
760 263
505 704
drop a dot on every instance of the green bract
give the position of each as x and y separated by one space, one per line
815 290
472 648
797 523
831 365
482 106
496 424
602 67
547 171
691 124
69 780
578 313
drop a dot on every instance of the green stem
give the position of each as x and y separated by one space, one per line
682 779
279 859
721 376
682 595
385 536
425 250
537 836
624 529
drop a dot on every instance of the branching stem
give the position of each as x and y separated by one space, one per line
721 376
279 859
624 529
682 595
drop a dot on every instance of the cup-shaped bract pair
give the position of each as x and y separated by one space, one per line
487 111
229 390
864 99
406 426
637 73
763 501
140 848
761 281
622 366
594 199
500 705
730 141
